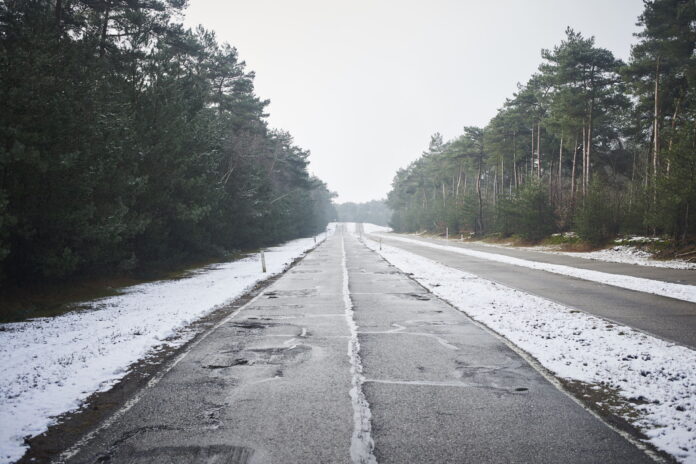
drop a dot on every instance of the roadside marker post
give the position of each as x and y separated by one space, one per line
446 233
263 262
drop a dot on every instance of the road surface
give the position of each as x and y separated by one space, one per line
667 318
284 380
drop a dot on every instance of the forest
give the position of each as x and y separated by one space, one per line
589 144
128 140
374 212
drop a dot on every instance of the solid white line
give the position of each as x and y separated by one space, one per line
361 445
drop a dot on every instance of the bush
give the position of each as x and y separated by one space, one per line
530 214
597 219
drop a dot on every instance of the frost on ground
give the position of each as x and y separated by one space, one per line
50 365
657 287
657 379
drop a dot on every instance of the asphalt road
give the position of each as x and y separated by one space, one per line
275 383
667 318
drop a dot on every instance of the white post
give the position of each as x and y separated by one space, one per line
263 262
461 238
380 244
446 233
315 239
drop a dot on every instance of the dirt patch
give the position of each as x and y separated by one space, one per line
612 407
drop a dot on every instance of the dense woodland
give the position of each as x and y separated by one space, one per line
374 212
589 144
128 140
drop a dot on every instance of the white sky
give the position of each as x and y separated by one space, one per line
363 84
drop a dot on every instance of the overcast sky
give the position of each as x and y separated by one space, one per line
363 84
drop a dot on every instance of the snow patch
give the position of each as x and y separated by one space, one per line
374 228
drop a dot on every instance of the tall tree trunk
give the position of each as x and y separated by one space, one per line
479 219
572 174
105 28
59 14
459 181
539 149
514 157
656 123
589 143
560 171
584 156
531 162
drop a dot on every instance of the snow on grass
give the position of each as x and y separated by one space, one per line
374 228
623 254
657 287
656 378
50 365
628 254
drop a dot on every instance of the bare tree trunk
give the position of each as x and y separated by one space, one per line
656 123
584 159
539 150
560 173
479 220
686 223
572 174
531 162
514 157
502 175
105 28
589 143
59 13
459 181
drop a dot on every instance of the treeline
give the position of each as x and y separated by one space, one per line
589 143
374 212
127 140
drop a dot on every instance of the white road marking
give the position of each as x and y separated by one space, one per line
362 445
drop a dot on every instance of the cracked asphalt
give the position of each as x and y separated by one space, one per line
271 383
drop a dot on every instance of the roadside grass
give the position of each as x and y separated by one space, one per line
661 248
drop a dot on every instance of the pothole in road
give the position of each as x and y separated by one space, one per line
413 296
250 325
274 308
221 363
290 293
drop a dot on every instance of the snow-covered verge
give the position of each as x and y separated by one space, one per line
657 287
623 254
374 228
657 379
628 254
50 365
